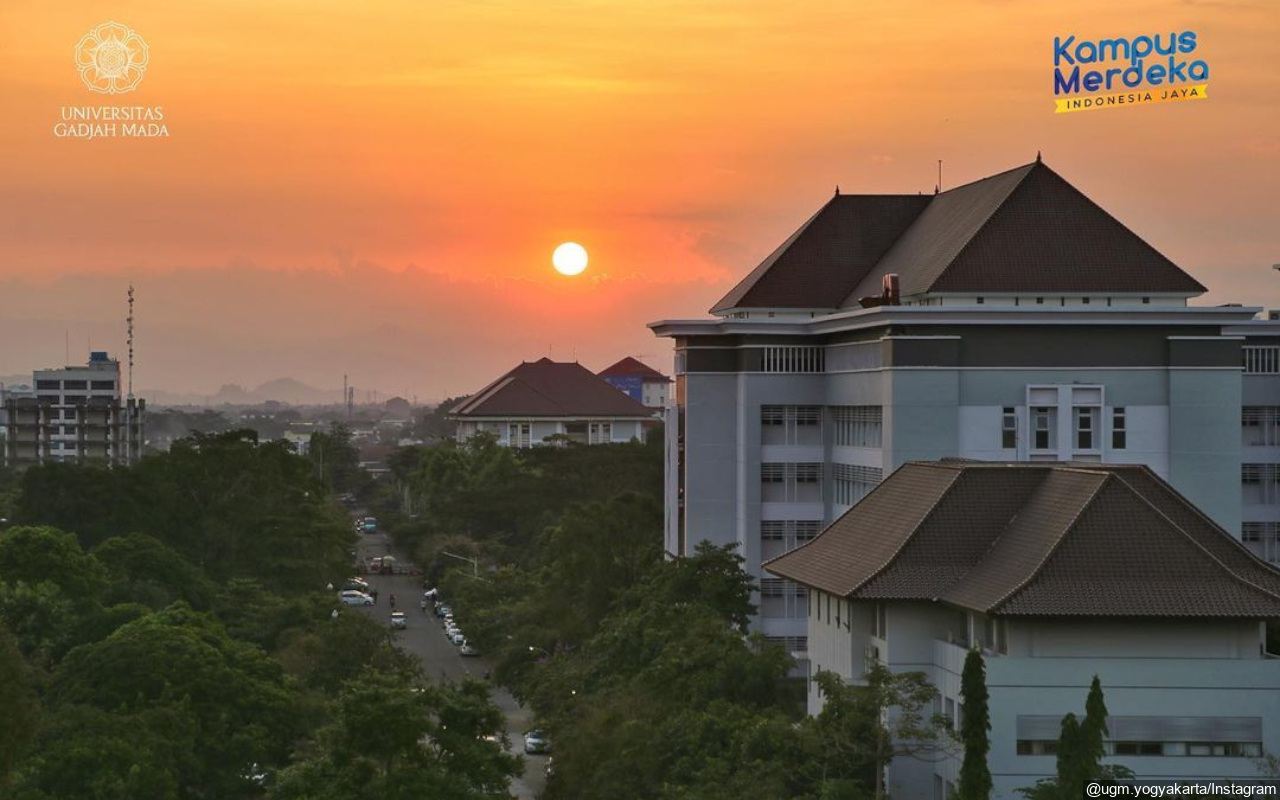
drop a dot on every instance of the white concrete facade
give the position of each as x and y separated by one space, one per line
534 432
1202 692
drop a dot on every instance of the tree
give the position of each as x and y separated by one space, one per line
975 777
18 699
393 741
1093 730
1073 761
178 669
35 555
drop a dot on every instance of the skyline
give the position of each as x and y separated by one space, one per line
377 192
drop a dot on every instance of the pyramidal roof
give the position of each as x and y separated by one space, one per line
631 366
1035 539
1026 230
547 388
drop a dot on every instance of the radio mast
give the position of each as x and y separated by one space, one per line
129 320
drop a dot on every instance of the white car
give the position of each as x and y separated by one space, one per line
354 598
536 742
458 638
398 620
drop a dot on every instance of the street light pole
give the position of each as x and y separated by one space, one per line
475 565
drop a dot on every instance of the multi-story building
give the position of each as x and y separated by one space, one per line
77 414
639 381
1010 319
1058 572
548 401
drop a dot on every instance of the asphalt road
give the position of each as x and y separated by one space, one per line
424 637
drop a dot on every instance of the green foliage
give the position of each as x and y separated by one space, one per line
47 555
228 694
390 741
144 569
1093 730
1080 752
335 461
975 728
18 699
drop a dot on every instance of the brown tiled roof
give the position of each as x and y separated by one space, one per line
1039 540
831 252
1023 230
630 366
547 388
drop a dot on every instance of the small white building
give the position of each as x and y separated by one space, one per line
543 399
1058 572
639 381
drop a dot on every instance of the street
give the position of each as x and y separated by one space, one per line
424 637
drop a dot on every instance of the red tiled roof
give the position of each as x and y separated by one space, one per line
547 388
1023 230
1036 539
630 366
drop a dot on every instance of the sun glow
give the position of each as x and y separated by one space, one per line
570 258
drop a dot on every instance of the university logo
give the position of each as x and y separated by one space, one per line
111 58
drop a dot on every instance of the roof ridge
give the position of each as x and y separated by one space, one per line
1093 496
991 177
1195 542
893 557
484 394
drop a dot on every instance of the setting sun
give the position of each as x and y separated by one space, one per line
570 258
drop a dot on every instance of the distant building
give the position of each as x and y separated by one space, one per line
639 381
77 414
541 399
1058 572
398 407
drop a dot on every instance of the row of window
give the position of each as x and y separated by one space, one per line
792 644
1039 747
75 386
1044 428
791 483
854 426
852 483
1261 484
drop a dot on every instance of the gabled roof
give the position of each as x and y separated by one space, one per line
547 388
1024 230
630 366
1033 539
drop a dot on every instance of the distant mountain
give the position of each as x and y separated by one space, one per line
282 390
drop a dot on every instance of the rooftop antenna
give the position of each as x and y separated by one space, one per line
129 321
345 402
1037 156
67 348
939 176
837 190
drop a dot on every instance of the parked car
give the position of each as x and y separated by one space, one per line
375 565
444 611
457 637
355 585
355 598
469 649
398 620
450 630
536 741
370 524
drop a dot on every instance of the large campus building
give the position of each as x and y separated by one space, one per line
1008 319
1058 572
77 414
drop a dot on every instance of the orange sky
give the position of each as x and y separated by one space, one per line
376 188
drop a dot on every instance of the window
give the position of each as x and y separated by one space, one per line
75 386
791 425
857 426
1084 301
1085 425
1264 538
880 623
792 644
791 483
1261 483
981 300
1044 427
99 386
1146 300
1039 301
1039 747
1260 426
600 433
1119 433
852 483
1262 360
1009 428
791 359
48 385
68 413
782 536
519 434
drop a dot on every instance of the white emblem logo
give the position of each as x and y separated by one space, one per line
111 59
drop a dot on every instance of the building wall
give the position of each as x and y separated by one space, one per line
1148 669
